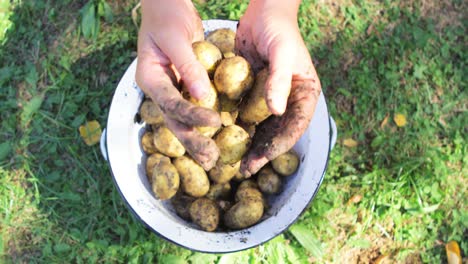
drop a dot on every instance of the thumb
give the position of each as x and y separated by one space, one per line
278 84
180 53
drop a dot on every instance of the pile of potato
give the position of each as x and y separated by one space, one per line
221 197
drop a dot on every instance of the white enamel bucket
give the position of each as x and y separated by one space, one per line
120 146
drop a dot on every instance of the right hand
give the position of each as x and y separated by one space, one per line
268 32
165 56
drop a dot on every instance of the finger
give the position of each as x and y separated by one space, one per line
278 134
278 85
201 149
179 50
185 112
153 78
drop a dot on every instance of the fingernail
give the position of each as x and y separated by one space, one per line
198 90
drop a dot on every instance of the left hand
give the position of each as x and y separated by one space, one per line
268 36
165 55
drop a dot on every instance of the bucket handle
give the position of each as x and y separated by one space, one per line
102 144
334 133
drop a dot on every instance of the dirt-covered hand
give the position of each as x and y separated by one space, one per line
165 56
268 36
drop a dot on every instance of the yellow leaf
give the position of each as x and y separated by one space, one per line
384 122
383 259
350 143
91 132
400 120
354 199
453 253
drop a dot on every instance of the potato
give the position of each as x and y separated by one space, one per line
243 214
151 161
223 38
207 131
250 184
222 172
147 143
247 184
227 119
193 178
209 101
248 193
167 143
181 204
233 142
228 54
226 104
208 55
233 77
269 182
238 177
254 109
165 179
286 164
205 213
219 191
151 113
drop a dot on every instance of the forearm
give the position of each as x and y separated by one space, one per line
281 7
146 3
154 9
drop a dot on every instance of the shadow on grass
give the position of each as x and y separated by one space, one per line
86 218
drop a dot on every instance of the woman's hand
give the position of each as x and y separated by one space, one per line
165 56
268 36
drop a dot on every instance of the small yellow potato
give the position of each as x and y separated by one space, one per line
286 164
210 101
227 119
248 193
181 203
247 184
233 142
151 161
165 179
269 182
244 213
147 143
219 191
223 38
208 55
234 77
222 172
151 113
192 176
254 110
228 54
167 143
205 213
207 131
226 104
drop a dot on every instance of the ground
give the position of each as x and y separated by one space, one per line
396 184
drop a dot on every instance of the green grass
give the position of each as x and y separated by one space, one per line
375 59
